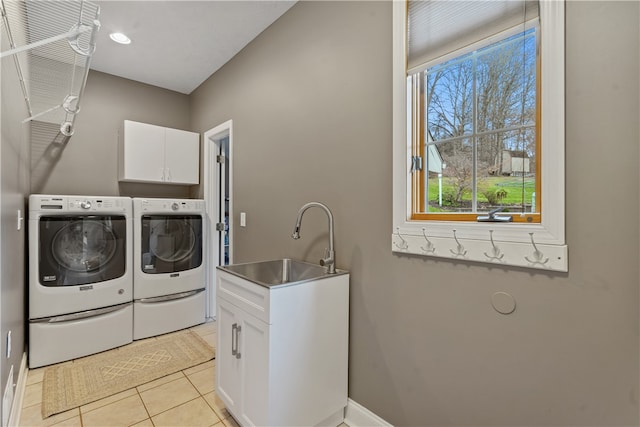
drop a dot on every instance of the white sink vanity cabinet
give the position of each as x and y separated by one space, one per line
282 349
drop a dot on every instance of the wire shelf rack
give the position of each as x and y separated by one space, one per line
52 43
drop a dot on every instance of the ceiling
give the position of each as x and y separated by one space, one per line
178 44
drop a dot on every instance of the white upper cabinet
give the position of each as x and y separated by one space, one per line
156 154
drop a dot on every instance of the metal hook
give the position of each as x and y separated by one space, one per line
497 253
431 248
537 254
460 250
404 245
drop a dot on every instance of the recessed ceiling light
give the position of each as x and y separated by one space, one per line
120 38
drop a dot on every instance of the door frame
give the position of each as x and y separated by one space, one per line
212 142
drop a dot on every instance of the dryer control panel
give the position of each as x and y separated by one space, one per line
172 205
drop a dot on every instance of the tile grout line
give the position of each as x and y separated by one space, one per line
205 400
144 406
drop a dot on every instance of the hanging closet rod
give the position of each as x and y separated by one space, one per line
72 34
58 40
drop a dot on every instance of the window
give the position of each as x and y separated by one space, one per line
478 146
479 131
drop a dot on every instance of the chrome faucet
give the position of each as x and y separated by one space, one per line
329 259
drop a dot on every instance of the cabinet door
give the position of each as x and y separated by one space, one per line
182 157
143 152
228 379
254 355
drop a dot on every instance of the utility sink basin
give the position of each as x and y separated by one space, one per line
279 272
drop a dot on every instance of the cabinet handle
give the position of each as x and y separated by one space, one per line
163 170
169 174
234 339
238 330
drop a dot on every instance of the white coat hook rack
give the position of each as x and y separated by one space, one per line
538 256
430 247
460 250
496 253
403 245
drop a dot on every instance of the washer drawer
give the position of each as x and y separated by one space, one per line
62 338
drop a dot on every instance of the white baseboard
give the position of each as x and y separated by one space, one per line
333 420
18 396
357 415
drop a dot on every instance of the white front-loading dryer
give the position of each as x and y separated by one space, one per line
169 271
80 276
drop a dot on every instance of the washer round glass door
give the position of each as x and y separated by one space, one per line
84 246
80 250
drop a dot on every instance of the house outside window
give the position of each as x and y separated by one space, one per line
479 131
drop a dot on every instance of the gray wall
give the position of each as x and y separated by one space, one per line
88 163
310 100
14 188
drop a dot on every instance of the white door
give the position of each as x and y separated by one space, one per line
228 380
218 194
143 152
182 151
254 364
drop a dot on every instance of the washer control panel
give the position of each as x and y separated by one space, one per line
79 204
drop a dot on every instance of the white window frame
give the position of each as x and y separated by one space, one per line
541 245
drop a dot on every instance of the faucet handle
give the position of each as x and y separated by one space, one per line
327 260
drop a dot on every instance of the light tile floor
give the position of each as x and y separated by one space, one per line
186 398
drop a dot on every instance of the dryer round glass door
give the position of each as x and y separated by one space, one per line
171 243
171 240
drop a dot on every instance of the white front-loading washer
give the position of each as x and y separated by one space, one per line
169 277
80 276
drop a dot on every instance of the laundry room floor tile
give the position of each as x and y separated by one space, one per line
71 422
145 423
123 412
218 406
32 394
169 395
193 413
35 376
202 380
